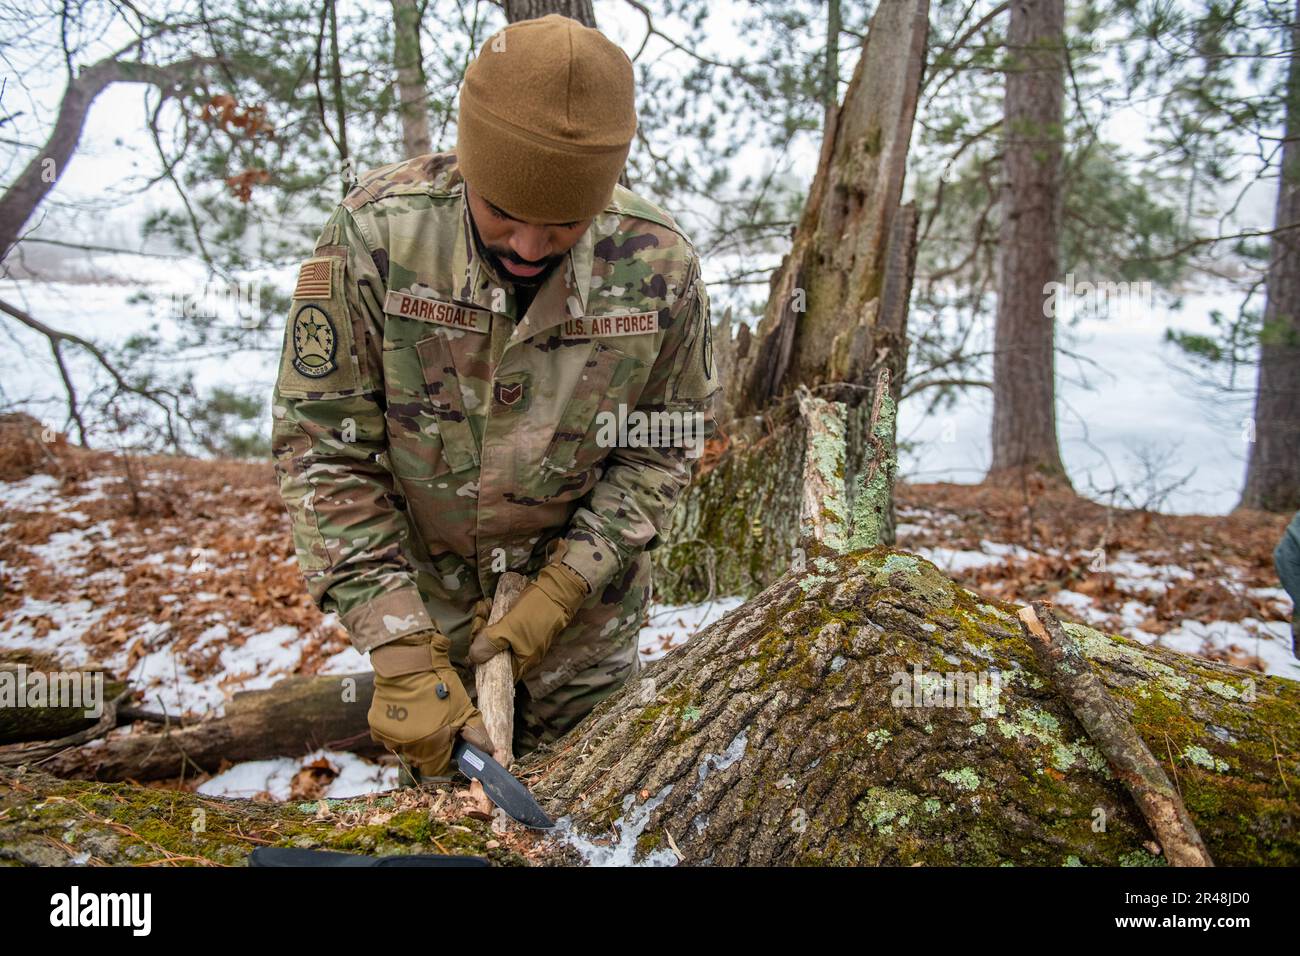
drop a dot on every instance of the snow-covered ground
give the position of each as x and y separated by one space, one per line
57 625
1267 641
247 658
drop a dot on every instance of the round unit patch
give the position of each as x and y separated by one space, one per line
313 342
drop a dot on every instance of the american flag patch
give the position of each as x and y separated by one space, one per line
314 279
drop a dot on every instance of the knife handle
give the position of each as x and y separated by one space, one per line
494 680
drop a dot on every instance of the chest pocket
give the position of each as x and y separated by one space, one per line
605 377
428 432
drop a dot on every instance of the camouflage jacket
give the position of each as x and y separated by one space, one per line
426 438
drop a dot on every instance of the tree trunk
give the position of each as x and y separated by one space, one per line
412 92
836 317
1273 470
580 10
776 736
45 168
1029 243
825 321
797 730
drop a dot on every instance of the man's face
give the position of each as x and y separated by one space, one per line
522 252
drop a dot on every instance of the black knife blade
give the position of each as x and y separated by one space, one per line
500 785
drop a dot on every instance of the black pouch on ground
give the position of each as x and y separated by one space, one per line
295 856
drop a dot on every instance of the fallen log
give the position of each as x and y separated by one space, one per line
823 723
295 716
42 704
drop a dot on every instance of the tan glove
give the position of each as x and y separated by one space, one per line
544 608
420 705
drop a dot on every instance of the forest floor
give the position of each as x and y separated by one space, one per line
179 576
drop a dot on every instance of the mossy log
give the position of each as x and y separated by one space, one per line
785 734
21 722
47 821
780 735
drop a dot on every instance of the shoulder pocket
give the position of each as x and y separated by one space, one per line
428 431
695 377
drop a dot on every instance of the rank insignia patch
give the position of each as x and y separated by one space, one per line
314 343
509 394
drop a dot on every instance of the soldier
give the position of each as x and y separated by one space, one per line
460 345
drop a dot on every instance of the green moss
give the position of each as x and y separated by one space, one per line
964 779
883 809
1141 858
148 825
648 842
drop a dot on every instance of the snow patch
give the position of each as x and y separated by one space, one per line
629 826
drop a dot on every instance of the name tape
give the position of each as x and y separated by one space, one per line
635 323
480 320
420 307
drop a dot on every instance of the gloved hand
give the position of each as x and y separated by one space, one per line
544 608
420 705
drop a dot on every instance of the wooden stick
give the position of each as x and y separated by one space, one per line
1123 748
495 681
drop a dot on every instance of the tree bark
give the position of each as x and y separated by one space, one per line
823 321
797 730
412 92
1273 470
1029 243
836 317
580 10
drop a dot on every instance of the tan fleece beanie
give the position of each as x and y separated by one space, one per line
547 116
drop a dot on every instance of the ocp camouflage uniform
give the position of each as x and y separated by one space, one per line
426 441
